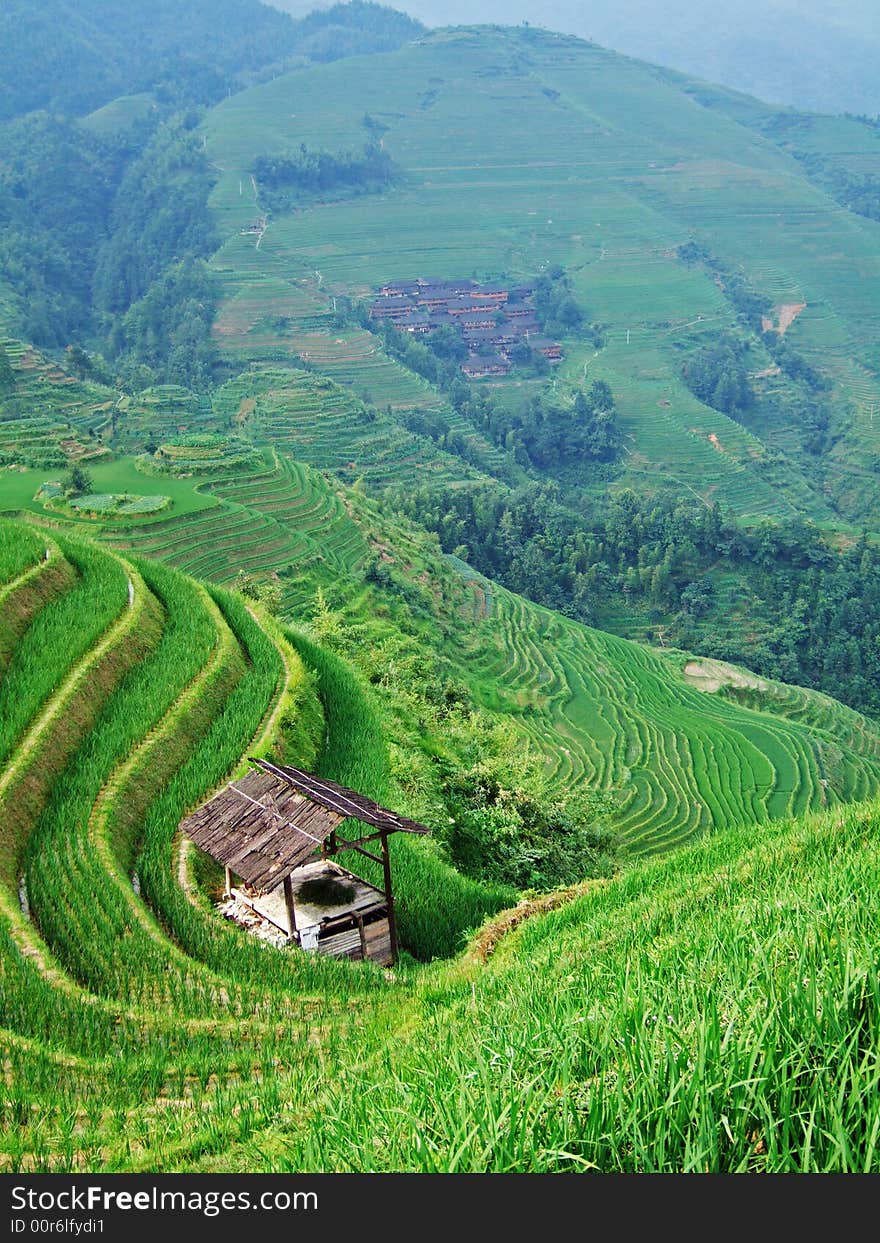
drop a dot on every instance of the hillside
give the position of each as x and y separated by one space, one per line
138 1026
788 51
501 568
518 150
679 752
77 57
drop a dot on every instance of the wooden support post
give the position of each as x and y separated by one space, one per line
227 890
360 923
288 902
389 898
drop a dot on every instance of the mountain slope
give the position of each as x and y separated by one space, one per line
136 1025
518 150
788 51
73 57
681 748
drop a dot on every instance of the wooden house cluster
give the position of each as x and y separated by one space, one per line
491 319
276 832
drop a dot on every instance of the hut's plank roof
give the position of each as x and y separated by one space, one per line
274 818
260 827
339 798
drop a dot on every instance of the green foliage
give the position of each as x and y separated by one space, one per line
266 593
169 329
286 179
854 188
325 623
527 835
79 363
717 375
436 906
160 213
749 305
56 194
185 52
558 311
77 481
88 229
560 438
812 611
544 434
354 29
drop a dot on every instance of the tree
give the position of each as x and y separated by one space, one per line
326 624
78 481
270 596
601 397
79 363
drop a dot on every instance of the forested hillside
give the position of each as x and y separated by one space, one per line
72 56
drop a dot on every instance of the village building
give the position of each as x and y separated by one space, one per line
490 319
519 310
400 288
477 320
416 321
391 308
551 350
478 366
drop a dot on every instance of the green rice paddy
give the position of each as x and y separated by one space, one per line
140 1031
519 150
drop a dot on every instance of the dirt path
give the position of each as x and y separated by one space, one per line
487 939
31 572
788 313
711 675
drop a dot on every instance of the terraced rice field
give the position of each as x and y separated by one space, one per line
49 417
137 1027
320 422
109 1021
618 716
139 1030
520 150
264 521
272 320
159 414
681 762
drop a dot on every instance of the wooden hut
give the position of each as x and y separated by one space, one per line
276 829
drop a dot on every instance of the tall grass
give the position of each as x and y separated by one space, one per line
20 548
61 634
78 906
717 1012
